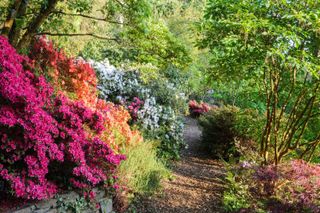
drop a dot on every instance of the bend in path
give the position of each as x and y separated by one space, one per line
198 183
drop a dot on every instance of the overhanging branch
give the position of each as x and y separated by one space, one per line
78 34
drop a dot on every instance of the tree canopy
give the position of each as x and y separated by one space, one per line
275 44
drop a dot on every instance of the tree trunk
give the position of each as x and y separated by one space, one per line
12 13
16 30
36 23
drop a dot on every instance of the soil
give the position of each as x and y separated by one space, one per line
197 185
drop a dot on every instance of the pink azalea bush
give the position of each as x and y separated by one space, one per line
196 109
41 134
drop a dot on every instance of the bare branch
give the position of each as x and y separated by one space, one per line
78 34
89 17
122 4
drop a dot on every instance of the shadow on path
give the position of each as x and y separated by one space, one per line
198 183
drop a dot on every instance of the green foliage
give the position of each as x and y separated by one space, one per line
142 172
243 94
249 123
67 21
181 22
156 45
80 6
3 9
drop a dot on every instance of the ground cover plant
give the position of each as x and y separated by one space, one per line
140 175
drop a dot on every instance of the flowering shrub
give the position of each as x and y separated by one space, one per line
72 76
158 121
41 134
117 133
196 109
75 76
117 85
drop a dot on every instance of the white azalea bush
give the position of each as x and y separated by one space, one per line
117 84
154 107
150 113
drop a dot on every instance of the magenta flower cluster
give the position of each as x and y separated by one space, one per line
40 132
134 107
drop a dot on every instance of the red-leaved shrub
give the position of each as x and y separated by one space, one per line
42 135
118 132
292 186
296 183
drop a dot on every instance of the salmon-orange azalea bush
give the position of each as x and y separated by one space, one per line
118 133
76 76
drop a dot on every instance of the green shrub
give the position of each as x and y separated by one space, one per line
227 131
218 131
142 172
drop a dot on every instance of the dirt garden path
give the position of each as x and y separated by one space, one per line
197 186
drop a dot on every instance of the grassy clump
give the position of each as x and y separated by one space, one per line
142 171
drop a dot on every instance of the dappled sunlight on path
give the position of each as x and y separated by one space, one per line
198 181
